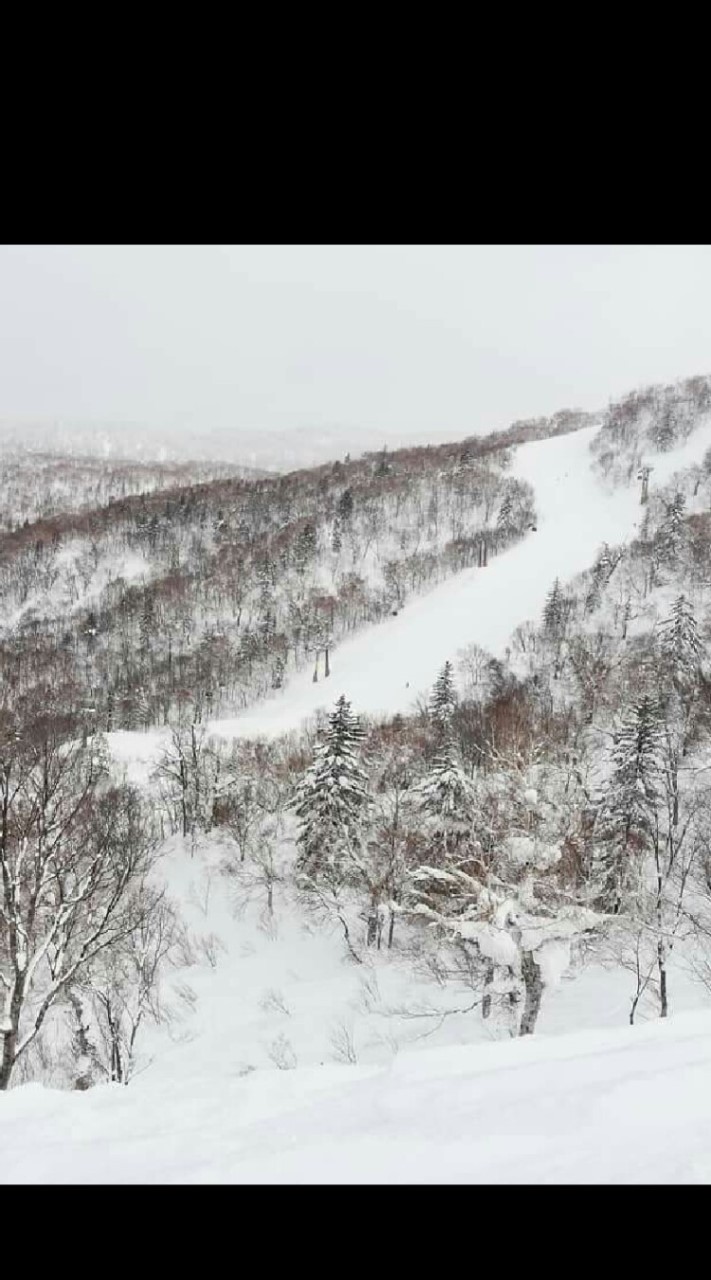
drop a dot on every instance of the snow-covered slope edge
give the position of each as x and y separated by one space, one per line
621 1106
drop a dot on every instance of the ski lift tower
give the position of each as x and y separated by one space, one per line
643 474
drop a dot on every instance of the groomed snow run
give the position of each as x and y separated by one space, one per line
384 668
625 1106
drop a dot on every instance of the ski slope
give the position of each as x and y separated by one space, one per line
625 1106
385 667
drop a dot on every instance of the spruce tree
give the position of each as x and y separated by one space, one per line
505 517
344 510
553 609
680 646
445 799
633 793
443 702
333 797
670 533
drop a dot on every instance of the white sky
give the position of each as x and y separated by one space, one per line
447 339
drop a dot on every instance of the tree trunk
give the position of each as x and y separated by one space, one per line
8 1058
663 991
82 1043
9 1047
486 1000
372 927
533 990
661 962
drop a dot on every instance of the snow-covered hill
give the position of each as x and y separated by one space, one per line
284 1062
385 668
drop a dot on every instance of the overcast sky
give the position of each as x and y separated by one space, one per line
444 339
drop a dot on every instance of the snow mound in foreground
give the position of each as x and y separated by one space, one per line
631 1105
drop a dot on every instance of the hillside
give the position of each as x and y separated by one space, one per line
352 815
384 669
39 485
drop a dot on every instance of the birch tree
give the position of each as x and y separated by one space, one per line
71 847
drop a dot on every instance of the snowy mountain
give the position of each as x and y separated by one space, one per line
398 940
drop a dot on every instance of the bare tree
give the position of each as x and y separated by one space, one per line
188 771
71 848
121 988
661 908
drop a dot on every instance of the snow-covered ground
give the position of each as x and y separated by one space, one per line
284 1061
631 1105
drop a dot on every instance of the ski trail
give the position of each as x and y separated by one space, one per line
384 668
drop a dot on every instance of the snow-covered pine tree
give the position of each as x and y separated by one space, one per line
445 799
443 702
505 517
605 564
681 649
344 509
305 546
632 797
553 609
664 430
671 529
333 797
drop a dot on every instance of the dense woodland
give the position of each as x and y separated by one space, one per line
199 599
533 812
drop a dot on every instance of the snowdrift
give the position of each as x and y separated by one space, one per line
596 1107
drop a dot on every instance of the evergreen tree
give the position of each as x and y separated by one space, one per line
445 799
443 702
305 547
664 430
633 794
671 530
600 575
505 517
553 609
333 796
266 577
267 625
680 646
344 510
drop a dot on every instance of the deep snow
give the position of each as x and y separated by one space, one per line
631 1105
426 1100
